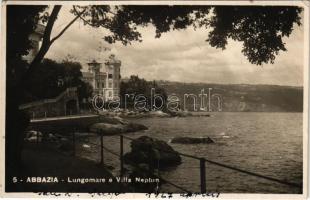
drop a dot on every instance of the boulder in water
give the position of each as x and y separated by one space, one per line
132 127
157 153
180 113
158 113
112 129
190 140
112 120
107 129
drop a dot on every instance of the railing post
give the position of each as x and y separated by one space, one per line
122 154
151 160
202 175
101 148
73 141
37 134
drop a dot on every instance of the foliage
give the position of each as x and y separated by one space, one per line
50 78
260 28
136 87
21 22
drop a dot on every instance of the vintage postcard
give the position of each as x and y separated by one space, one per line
154 99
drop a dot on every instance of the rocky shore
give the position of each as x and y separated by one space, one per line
116 128
158 113
192 140
152 152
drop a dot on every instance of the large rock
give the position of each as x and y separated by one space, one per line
132 127
112 120
180 113
190 140
135 114
107 129
149 151
112 129
158 113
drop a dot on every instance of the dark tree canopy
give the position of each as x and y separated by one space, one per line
21 22
51 78
135 87
260 28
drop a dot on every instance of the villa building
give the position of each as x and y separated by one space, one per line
105 79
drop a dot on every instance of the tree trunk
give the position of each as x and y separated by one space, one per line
16 120
46 43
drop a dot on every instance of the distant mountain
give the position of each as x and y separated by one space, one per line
239 97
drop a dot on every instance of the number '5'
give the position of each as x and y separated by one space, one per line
14 179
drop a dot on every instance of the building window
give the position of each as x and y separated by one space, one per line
110 75
98 85
110 93
110 84
102 84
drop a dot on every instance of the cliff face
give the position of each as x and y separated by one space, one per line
240 98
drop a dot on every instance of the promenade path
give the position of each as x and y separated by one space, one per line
43 161
64 124
62 118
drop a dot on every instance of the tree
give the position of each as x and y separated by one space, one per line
85 90
51 78
135 87
21 21
260 28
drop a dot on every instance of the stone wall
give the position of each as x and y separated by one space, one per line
66 103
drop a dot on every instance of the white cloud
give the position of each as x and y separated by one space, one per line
181 56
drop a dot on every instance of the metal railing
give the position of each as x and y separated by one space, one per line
202 164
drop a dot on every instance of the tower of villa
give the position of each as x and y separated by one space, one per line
104 77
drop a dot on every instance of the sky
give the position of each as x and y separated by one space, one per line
181 56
